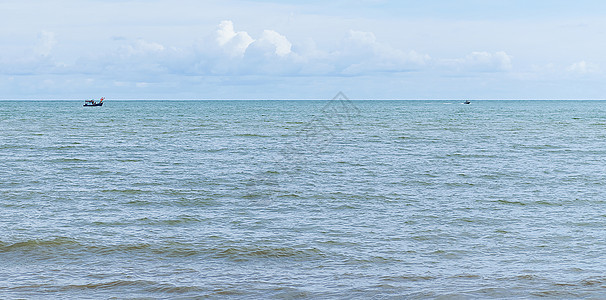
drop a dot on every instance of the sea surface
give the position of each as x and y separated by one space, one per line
303 199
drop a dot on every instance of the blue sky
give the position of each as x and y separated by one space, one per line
369 49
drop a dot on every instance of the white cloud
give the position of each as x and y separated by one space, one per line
281 44
46 43
232 42
582 67
495 61
363 38
480 61
227 52
237 44
234 53
361 53
231 52
141 46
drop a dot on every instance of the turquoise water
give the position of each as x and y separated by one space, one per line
313 199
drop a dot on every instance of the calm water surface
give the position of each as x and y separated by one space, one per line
312 199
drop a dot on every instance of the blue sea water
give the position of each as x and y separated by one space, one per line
303 199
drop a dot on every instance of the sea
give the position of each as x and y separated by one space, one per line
318 199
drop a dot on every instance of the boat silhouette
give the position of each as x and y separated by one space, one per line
93 103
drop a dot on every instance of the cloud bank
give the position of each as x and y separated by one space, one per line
229 58
231 52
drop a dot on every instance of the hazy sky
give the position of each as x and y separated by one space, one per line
369 49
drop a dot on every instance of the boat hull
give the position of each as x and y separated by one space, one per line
96 104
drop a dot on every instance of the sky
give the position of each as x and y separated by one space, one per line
245 49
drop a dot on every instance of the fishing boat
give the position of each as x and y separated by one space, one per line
467 102
93 102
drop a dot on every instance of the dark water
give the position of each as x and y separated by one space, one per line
313 199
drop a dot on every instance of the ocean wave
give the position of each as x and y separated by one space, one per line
184 219
127 191
241 253
61 247
122 287
68 160
251 135
37 244
411 278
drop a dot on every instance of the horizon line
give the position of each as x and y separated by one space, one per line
309 99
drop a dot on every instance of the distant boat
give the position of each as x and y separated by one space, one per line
466 102
93 103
